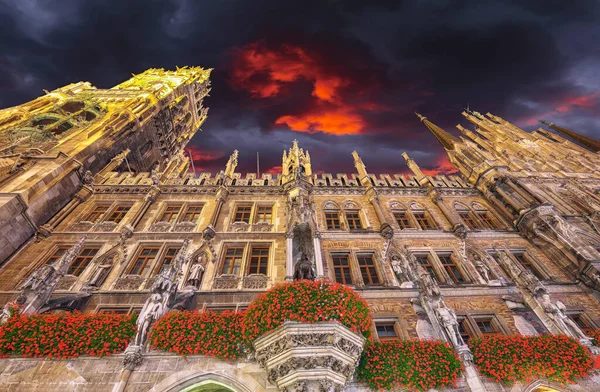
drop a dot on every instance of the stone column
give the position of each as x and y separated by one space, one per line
510 199
81 196
520 191
505 213
149 199
318 256
453 218
289 257
221 196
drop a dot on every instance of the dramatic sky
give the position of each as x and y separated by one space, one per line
336 75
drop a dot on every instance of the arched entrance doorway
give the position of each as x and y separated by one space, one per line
208 386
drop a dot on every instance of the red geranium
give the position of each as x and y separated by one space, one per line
413 364
509 359
306 301
66 335
212 334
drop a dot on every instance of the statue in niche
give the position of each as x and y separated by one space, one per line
304 269
101 273
397 268
481 267
195 275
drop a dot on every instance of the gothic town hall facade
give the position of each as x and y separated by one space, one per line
512 242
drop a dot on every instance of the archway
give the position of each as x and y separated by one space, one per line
208 386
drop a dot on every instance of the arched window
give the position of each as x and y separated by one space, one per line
423 217
332 216
466 216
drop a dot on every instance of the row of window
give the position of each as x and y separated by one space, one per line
253 258
335 219
472 326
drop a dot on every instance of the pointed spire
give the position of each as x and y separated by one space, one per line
446 139
586 141
231 164
360 166
412 165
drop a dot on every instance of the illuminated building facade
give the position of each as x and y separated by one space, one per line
512 238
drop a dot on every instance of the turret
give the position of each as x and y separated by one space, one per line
447 140
588 142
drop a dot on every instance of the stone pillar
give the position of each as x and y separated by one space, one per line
520 191
318 256
453 218
289 257
149 199
510 199
501 207
221 196
82 195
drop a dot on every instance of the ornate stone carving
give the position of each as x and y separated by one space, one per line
194 278
262 227
105 226
66 282
557 313
129 282
238 227
256 281
161 227
40 285
226 282
320 357
184 227
81 226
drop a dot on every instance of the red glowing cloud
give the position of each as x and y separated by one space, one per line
442 166
267 72
566 105
202 157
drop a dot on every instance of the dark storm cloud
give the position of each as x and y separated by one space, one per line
520 60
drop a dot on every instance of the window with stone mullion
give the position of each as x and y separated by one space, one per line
341 268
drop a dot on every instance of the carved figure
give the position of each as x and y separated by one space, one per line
397 267
557 313
153 309
195 275
304 269
482 268
449 321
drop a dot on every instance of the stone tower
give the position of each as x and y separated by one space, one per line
51 146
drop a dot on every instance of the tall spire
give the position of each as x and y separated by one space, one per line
444 137
587 141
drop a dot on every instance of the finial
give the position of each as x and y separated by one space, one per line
546 122
422 118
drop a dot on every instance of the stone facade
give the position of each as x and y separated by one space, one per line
508 246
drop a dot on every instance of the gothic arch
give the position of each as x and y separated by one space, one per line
351 205
228 377
542 386
416 206
330 205
458 206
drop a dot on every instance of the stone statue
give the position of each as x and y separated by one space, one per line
397 267
195 275
304 269
557 313
153 309
155 177
88 178
482 268
101 273
449 321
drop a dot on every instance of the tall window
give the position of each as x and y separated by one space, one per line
386 330
368 270
96 213
232 261
167 258
57 255
487 220
469 220
424 220
332 217
426 263
264 214
464 331
118 214
451 269
353 218
143 260
170 213
582 323
192 213
527 264
242 214
259 260
82 261
341 267
402 219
